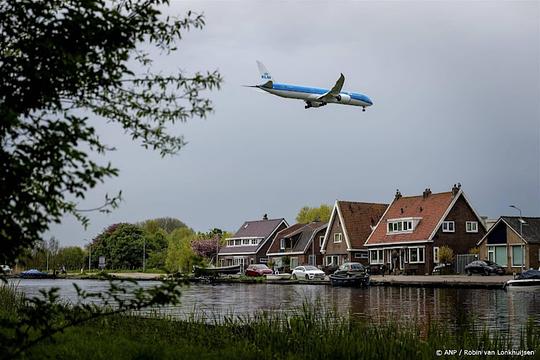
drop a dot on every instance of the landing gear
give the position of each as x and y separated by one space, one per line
363 108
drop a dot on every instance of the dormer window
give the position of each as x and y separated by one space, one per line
338 237
400 226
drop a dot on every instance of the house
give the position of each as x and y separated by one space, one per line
301 243
349 227
250 243
410 233
508 239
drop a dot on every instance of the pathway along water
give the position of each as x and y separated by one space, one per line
495 309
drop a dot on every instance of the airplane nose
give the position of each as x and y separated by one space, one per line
368 100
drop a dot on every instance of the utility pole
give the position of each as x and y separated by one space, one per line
89 257
144 255
521 221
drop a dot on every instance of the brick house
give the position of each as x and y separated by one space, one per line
508 239
300 242
413 228
349 226
250 243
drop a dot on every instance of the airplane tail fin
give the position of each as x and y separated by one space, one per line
266 78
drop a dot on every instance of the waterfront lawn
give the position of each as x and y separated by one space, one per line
304 336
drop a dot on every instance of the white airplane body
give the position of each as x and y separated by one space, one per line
313 97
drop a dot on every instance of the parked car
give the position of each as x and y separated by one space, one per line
351 268
34 274
5 269
484 267
308 272
258 270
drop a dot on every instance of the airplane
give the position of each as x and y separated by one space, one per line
313 97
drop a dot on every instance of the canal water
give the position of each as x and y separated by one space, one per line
505 311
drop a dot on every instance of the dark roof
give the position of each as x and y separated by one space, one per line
531 228
358 218
258 228
308 231
254 229
304 232
431 209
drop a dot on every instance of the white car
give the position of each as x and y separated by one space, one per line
307 272
5 269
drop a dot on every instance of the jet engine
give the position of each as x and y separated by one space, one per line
343 98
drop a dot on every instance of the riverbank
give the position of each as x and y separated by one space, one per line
434 281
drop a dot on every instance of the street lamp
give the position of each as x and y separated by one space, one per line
521 222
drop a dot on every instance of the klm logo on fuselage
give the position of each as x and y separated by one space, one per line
266 76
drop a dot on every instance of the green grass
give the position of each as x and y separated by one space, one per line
304 335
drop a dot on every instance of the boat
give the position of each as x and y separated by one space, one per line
350 274
284 276
525 279
215 271
34 274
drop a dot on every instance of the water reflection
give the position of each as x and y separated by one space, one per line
494 309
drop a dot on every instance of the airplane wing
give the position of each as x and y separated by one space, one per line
334 91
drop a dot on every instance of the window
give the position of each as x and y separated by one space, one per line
254 241
245 241
321 239
361 255
294 262
312 260
416 255
230 242
282 244
471 226
517 256
491 254
396 226
338 237
237 242
500 255
448 226
332 260
436 255
376 256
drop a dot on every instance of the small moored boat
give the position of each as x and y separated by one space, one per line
526 278
35 274
350 274
215 271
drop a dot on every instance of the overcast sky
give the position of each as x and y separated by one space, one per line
456 92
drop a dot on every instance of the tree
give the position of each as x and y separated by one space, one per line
64 65
72 257
446 254
156 244
308 214
168 224
121 245
180 254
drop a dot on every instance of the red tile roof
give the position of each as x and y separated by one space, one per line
358 219
431 209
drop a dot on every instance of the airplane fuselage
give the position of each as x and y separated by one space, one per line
311 95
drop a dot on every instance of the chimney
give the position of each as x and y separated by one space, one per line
455 189
265 217
398 195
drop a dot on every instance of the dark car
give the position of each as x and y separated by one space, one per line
351 268
258 270
484 267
